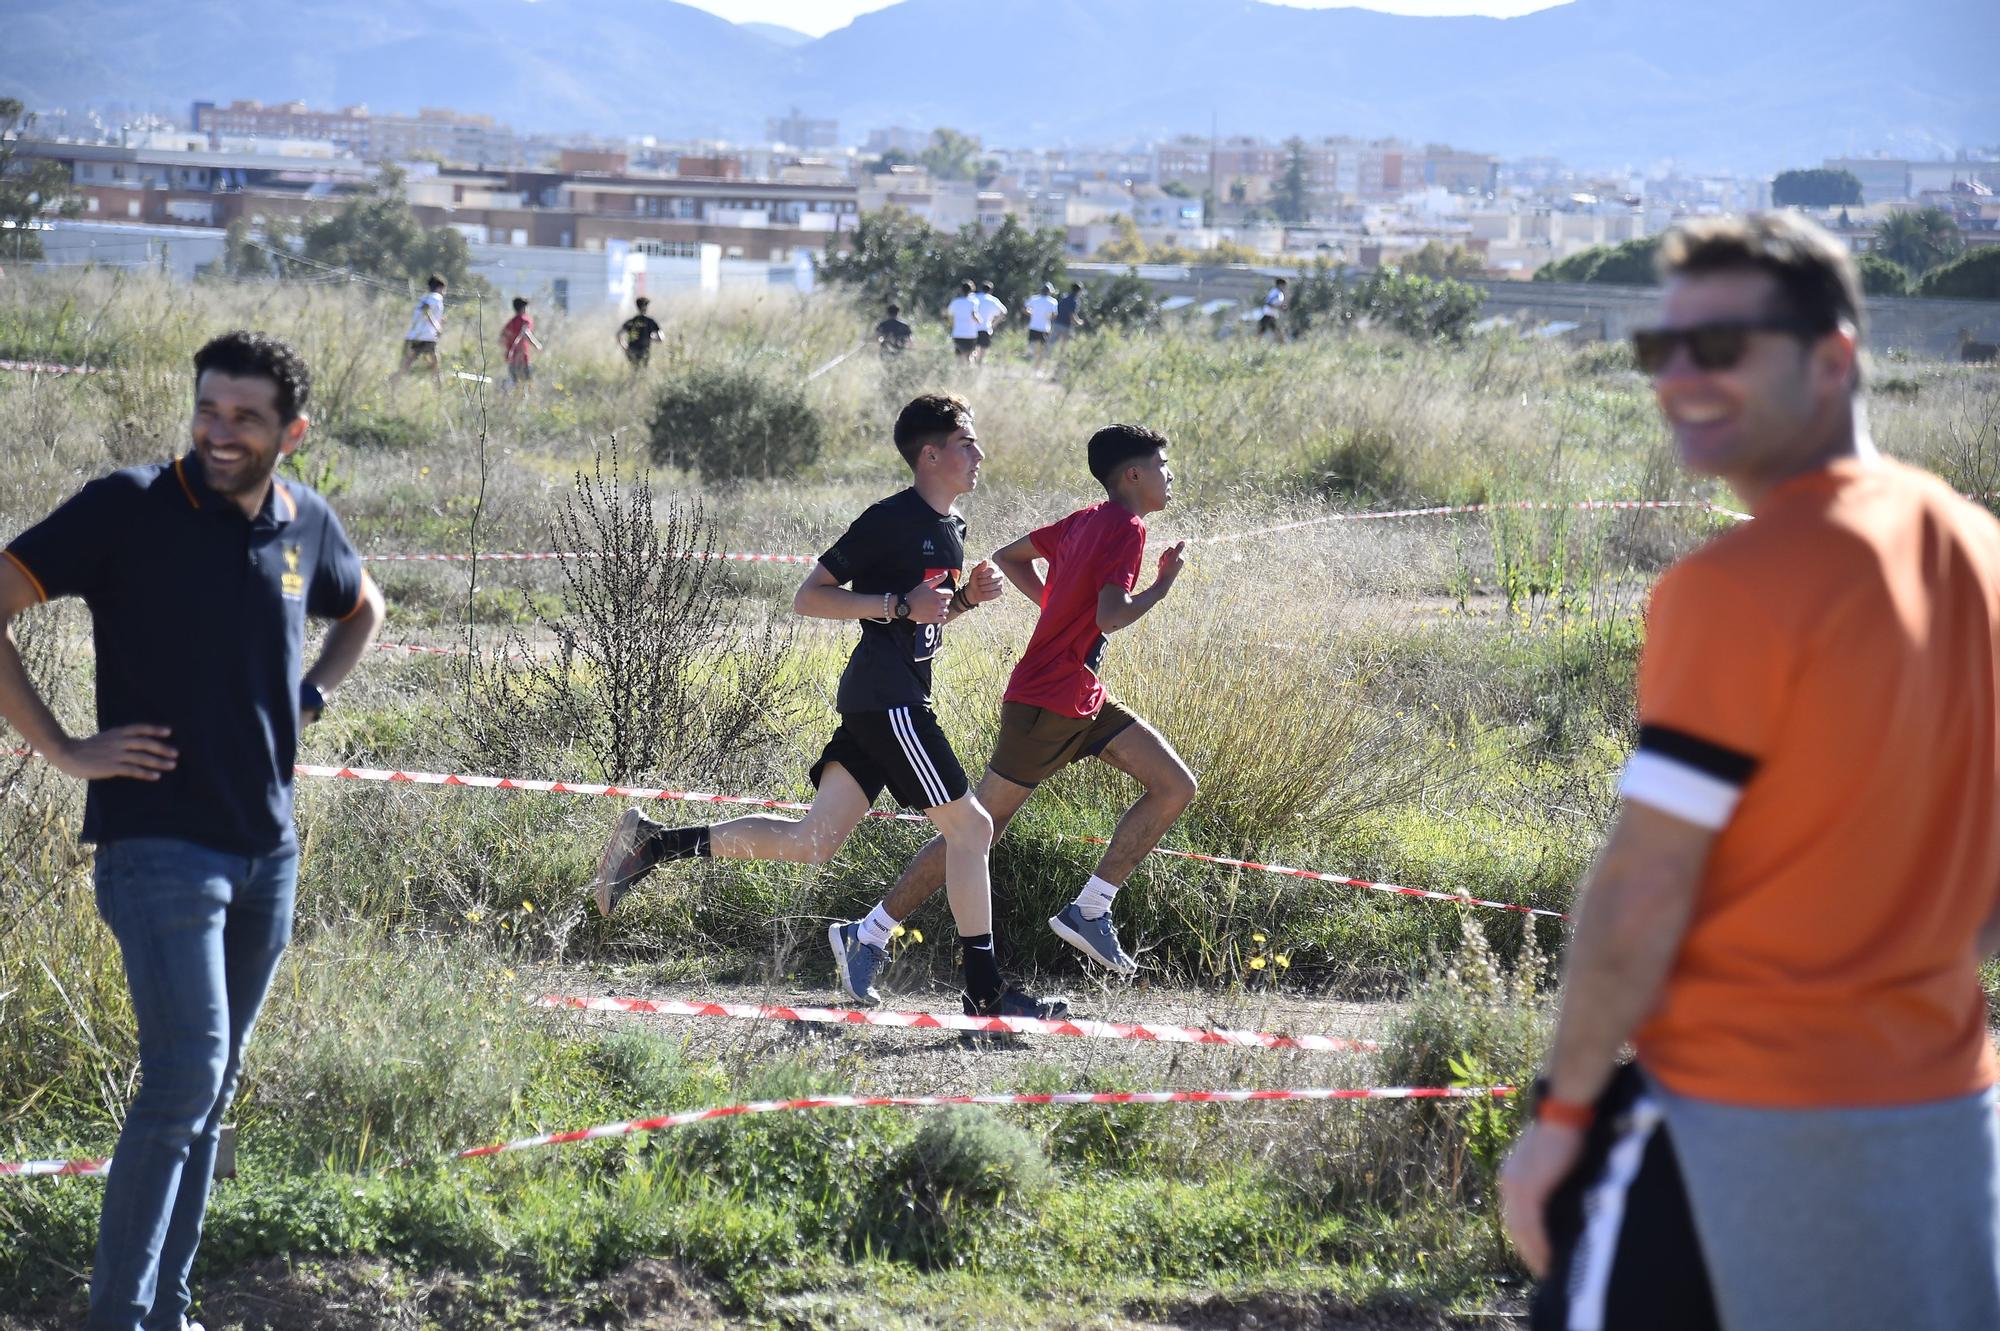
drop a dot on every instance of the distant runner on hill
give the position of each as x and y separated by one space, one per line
1041 310
638 334
991 312
892 334
519 343
1271 319
1069 314
965 322
426 329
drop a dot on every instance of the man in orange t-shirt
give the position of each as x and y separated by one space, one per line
1788 918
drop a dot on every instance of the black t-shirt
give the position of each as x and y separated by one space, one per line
892 547
893 333
639 330
1066 308
199 618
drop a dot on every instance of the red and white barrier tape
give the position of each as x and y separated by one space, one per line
44 367
55 1169
637 1126
1521 505
1525 505
634 1127
529 556
703 797
1319 876
952 1021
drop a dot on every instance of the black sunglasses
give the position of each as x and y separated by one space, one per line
1716 346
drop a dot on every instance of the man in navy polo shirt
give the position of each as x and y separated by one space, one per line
199 574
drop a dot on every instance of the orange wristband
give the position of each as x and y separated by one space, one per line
1565 1113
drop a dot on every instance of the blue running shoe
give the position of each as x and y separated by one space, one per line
1014 1001
1096 939
855 962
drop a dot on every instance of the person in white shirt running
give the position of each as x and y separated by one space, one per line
1041 308
426 327
965 322
1273 317
991 312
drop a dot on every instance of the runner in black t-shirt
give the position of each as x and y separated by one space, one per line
892 334
638 334
904 559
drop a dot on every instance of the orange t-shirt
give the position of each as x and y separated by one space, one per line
1822 685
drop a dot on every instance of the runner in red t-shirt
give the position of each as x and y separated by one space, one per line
518 340
1056 711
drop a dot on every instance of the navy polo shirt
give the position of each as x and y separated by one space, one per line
199 616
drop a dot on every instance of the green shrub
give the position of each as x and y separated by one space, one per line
1974 277
1879 277
733 423
958 1170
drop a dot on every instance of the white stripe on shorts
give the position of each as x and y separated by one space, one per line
920 761
1604 1218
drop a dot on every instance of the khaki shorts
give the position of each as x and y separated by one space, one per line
1036 743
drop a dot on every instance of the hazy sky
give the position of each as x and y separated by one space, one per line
823 16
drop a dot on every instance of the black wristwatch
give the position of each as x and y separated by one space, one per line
902 607
311 699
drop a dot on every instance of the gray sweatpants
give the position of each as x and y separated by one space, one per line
1845 1219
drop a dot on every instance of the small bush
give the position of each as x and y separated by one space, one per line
732 423
961 1167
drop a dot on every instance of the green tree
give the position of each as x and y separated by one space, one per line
1434 259
1879 277
1125 245
1177 189
1976 276
32 189
1630 264
1426 308
1919 240
375 234
1292 200
1125 302
894 256
951 155
1816 188
891 157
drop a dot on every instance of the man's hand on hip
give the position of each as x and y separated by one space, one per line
137 751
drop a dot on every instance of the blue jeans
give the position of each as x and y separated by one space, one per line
201 933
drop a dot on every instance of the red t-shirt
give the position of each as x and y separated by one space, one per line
1091 549
514 338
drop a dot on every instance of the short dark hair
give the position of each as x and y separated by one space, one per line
894 309
1076 286
435 283
985 286
520 303
1115 445
926 418
1816 277
247 355
642 302
965 288
1280 282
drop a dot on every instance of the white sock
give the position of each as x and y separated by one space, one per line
876 929
1095 899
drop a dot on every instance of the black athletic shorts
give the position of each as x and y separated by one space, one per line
637 352
964 345
416 346
1037 335
1267 324
903 749
985 339
1625 1253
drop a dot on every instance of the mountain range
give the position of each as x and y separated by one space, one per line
1715 84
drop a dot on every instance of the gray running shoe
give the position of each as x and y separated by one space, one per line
1096 939
855 962
626 859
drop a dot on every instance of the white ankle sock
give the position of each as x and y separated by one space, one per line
1096 897
876 929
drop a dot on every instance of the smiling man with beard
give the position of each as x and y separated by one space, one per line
200 574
